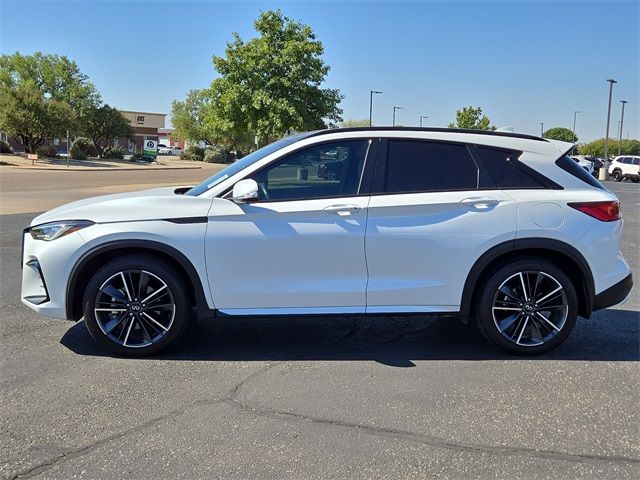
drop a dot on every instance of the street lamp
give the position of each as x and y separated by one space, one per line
421 117
541 129
604 171
575 112
623 102
371 105
394 115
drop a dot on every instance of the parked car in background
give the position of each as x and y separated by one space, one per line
500 229
626 166
175 150
584 163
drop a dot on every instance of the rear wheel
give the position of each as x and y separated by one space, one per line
136 305
617 176
527 307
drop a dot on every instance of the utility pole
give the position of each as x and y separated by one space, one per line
604 171
623 102
541 129
421 117
394 115
575 112
371 106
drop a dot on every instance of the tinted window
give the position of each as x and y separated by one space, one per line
506 171
416 166
576 170
636 161
326 170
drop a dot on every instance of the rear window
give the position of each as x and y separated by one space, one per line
568 165
505 169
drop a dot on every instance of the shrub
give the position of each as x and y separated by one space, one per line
47 151
195 154
5 147
115 153
216 154
85 146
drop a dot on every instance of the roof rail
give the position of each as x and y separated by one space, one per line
430 129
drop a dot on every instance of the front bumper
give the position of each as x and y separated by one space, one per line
614 294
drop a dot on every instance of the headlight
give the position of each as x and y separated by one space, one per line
53 230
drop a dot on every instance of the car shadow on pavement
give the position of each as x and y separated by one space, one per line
610 335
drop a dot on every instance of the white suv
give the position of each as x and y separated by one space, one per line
501 228
627 166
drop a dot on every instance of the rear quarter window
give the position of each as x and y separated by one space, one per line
568 165
506 171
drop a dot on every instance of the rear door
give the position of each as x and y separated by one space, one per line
433 212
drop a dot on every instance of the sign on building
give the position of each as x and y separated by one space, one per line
150 147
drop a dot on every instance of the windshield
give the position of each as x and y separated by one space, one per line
243 163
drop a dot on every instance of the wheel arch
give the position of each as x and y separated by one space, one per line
91 260
562 254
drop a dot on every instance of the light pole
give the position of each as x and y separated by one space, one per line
421 117
623 102
604 171
541 129
575 113
371 105
394 115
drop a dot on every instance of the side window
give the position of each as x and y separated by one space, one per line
423 166
636 161
504 171
326 170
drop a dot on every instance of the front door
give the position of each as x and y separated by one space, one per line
300 248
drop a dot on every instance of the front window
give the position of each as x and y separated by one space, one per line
245 162
326 170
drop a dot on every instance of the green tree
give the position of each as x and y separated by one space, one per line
472 119
560 133
188 118
354 123
596 148
271 84
42 96
104 126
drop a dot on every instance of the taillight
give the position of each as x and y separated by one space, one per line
603 211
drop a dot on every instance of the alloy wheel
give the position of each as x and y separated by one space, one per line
530 308
134 308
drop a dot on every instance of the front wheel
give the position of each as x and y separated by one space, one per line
136 305
527 307
617 176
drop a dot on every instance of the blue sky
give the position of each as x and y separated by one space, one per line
524 62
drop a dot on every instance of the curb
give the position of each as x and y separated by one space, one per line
100 169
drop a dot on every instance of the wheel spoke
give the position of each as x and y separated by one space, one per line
516 309
154 321
128 332
551 324
126 288
524 325
548 295
506 323
113 323
165 306
510 293
153 294
143 284
110 309
535 332
114 293
524 289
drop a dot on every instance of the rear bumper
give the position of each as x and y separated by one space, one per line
614 294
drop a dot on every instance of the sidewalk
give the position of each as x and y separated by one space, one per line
163 163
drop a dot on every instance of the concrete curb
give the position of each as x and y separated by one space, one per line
100 169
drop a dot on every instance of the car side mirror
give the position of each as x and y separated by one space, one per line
245 191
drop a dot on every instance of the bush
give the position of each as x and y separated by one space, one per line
195 154
115 153
5 147
47 151
216 154
83 148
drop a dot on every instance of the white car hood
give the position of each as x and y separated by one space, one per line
157 203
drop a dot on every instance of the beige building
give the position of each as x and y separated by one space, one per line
146 126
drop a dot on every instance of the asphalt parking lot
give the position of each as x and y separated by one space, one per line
382 397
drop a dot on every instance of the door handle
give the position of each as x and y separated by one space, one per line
343 210
481 203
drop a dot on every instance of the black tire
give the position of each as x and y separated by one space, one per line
616 175
635 179
487 297
170 323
